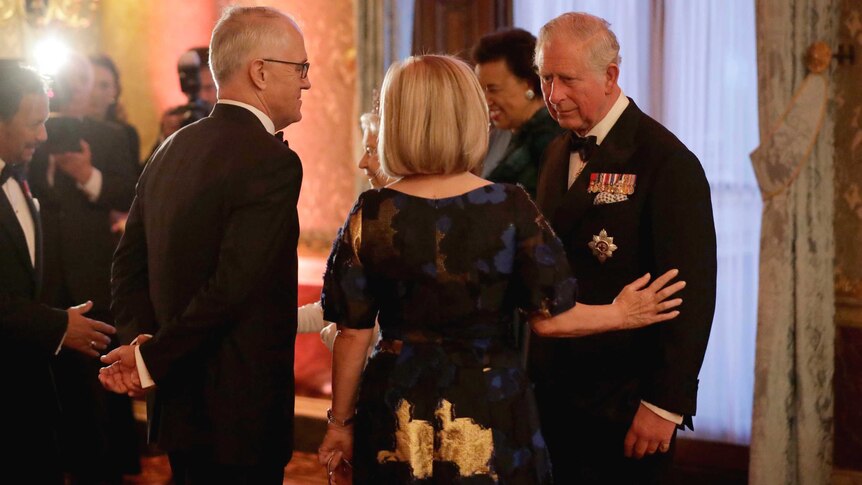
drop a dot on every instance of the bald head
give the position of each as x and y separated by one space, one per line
72 86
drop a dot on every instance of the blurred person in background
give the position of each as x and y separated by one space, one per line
105 104
196 82
79 176
504 66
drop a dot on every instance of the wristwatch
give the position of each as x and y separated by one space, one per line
333 420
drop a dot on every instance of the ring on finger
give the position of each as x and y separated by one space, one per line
663 447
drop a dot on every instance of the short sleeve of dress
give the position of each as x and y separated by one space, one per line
347 298
548 285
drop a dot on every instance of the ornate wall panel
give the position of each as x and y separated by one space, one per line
325 138
23 23
453 26
146 39
848 256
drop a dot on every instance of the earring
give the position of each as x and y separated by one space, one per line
529 94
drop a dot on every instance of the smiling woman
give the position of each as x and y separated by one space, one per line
504 66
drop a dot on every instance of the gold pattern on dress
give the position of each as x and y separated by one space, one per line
414 443
468 445
543 311
381 228
464 443
440 257
443 274
356 233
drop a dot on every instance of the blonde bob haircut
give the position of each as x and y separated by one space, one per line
434 119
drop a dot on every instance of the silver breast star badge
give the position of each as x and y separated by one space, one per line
603 246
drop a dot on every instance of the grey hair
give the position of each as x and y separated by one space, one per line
370 122
593 32
240 34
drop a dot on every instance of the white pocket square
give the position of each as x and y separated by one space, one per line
608 198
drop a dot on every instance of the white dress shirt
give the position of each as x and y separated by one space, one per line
600 131
18 201
27 220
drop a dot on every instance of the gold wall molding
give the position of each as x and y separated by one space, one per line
78 14
847 288
23 23
848 312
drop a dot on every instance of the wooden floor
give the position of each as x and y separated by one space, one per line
310 424
303 469
695 462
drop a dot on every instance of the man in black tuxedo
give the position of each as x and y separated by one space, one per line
77 191
208 266
30 333
626 198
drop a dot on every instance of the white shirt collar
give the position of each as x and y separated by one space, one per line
264 119
602 128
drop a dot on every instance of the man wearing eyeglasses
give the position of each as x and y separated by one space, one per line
205 275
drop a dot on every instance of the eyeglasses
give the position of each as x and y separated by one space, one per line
303 73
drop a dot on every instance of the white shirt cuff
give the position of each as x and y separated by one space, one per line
309 318
143 373
93 187
672 417
60 346
328 334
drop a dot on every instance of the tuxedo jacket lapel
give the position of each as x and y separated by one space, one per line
615 150
12 227
37 229
619 145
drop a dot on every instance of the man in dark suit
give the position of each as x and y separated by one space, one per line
77 191
626 198
208 266
30 333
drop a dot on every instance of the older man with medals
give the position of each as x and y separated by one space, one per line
626 197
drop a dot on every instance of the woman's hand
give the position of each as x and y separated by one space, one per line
336 453
641 305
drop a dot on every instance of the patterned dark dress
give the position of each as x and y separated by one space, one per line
443 398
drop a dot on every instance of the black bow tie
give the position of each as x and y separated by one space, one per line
16 171
280 137
586 146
